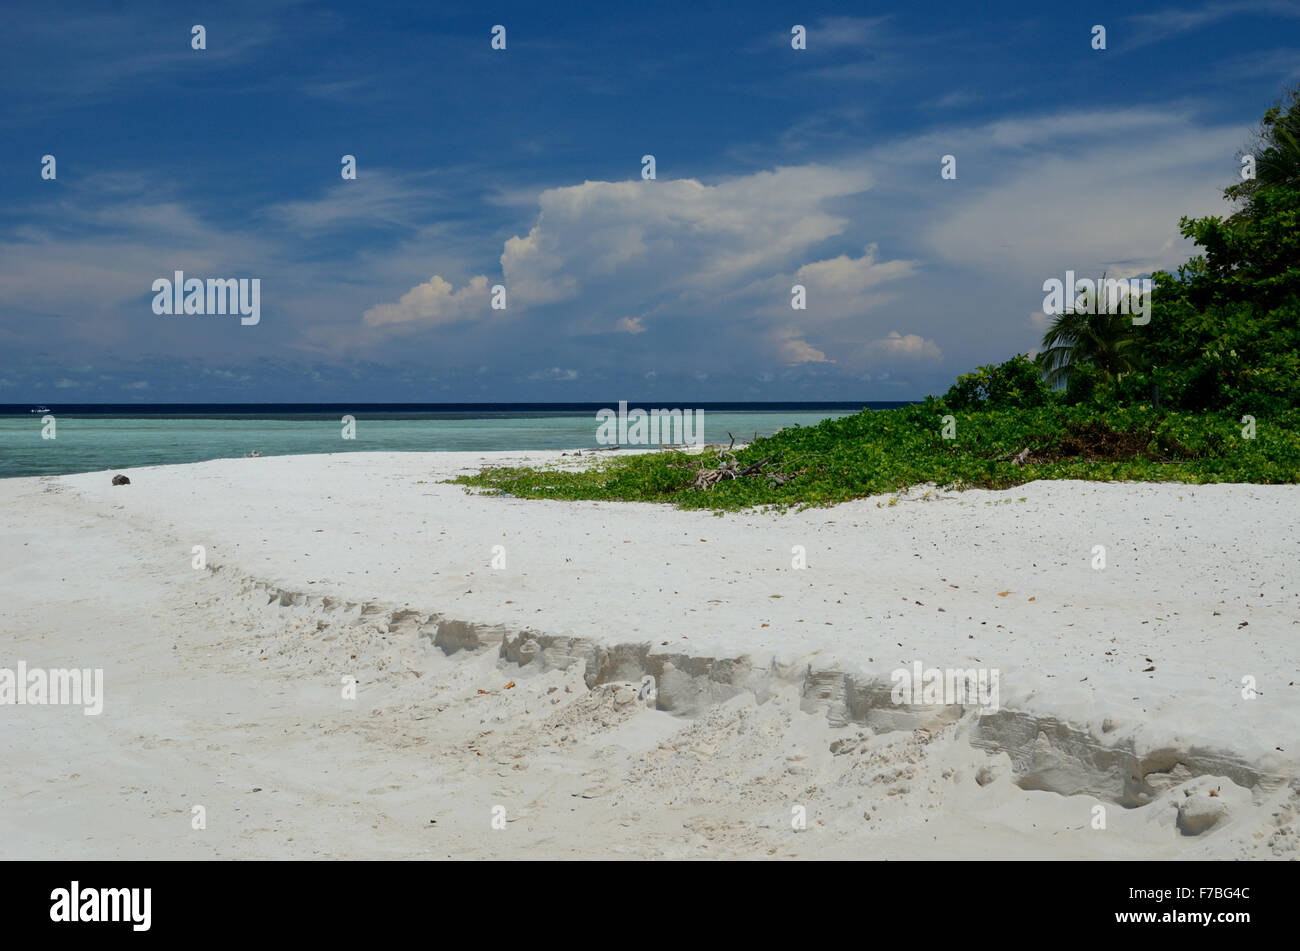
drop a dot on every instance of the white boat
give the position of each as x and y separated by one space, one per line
41 409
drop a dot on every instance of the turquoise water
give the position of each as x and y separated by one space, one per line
94 443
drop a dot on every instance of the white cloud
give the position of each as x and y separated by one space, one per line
375 197
702 270
842 288
679 241
853 32
846 276
432 303
1161 24
554 374
792 349
1064 202
800 351
905 346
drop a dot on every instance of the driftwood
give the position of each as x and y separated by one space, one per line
1016 458
730 468
727 469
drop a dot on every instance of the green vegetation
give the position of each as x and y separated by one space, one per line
873 453
1105 400
1224 332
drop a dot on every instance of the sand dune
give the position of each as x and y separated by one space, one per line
1120 688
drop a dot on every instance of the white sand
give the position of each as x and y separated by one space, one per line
226 680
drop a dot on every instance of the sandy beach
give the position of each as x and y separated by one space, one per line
496 710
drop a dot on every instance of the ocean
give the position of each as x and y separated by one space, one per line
90 438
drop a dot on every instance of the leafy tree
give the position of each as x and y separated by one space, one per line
1277 154
1225 331
1016 384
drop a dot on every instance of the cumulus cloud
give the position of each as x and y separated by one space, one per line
793 349
800 351
844 276
842 288
701 269
432 303
906 346
670 242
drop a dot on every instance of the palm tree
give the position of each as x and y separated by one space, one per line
1277 154
1103 339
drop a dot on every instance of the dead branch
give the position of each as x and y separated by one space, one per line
730 468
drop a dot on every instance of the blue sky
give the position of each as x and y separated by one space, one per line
522 167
